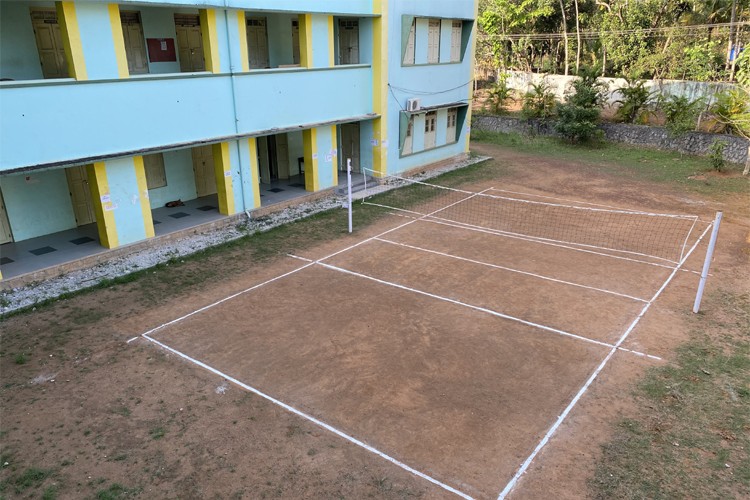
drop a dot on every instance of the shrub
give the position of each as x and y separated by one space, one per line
539 102
635 102
681 113
578 117
499 95
730 114
716 154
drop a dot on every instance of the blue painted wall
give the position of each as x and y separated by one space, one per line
434 84
123 191
280 49
97 40
37 203
327 163
178 167
85 119
159 23
22 62
363 7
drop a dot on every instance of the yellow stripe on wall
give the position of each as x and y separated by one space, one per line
310 141
71 35
105 217
254 172
305 41
119 40
140 175
223 172
380 86
471 86
242 30
331 44
335 158
210 40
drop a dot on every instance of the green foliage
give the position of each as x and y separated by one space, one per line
681 113
730 114
20 358
742 69
701 61
716 155
499 95
578 117
539 102
635 102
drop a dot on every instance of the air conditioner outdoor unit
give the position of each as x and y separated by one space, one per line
413 105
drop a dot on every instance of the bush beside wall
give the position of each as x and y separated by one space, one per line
694 143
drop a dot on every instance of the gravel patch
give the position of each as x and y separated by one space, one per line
33 293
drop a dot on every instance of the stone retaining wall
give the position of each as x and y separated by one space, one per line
694 143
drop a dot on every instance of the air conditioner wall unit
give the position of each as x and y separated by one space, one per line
413 105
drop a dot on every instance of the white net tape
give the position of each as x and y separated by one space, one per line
656 235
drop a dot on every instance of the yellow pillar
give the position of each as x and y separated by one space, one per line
140 175
335 149
380 87
210 40
331 44
254 174
310 146
103 208
305 41
71 36
244 50
118 40
223 172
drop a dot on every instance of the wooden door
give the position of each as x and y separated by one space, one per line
452 119
257 42
80 195
5 234
189 42
456 34
135 44
49 43
203 167
348 41
295 41
433 41
282 156
408 140
429 130
350 145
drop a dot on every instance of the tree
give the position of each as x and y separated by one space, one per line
578 117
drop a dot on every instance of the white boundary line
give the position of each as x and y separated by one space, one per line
312 419
469 227
495 266
293 271
525 465
485 310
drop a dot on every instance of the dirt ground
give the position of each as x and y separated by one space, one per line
84 414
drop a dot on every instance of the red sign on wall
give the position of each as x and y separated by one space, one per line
161 50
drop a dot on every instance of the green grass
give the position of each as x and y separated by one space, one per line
31 478
652 165
691 438
117 491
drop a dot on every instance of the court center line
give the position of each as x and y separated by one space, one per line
526 273
310 418
293 271
487 311
469 227
524 467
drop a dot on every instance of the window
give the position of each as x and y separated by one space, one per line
452 119
456 34
408 140
410 47
433 41
155 175
429 129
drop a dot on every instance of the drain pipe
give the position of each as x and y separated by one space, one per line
245 201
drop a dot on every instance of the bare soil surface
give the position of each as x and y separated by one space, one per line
453 392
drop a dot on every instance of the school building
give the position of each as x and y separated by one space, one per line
110 110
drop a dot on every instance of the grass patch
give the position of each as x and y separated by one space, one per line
157 432
116 491
617 159
33 477
692 436
21 358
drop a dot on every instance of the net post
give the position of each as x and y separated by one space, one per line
349 190
707 262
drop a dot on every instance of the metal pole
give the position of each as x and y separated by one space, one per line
349 187
707 262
